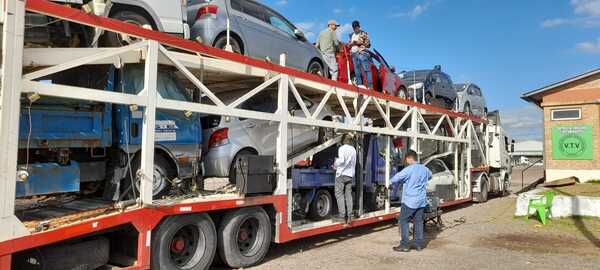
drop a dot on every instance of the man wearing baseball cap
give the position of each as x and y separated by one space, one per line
328 44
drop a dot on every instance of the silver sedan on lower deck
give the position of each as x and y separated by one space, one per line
231 137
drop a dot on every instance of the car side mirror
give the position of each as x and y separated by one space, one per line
299 34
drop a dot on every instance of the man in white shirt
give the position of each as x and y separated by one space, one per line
345 165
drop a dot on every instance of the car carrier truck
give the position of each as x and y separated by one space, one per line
188 230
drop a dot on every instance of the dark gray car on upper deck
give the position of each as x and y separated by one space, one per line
430 85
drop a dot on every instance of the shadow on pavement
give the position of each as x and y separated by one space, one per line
301 245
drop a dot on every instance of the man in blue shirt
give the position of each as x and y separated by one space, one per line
414 200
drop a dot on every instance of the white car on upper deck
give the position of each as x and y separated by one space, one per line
169 16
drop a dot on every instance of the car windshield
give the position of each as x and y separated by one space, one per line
412 77
460 87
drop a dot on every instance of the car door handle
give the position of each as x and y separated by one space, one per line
251 125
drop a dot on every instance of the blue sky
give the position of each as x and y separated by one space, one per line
507 47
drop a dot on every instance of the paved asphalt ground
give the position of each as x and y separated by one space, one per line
476 236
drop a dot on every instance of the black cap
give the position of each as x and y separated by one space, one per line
355 24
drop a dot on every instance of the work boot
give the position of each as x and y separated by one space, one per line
418 248
401 248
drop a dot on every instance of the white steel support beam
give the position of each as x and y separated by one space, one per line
423 122
191 77
146 173
12 44
479 145
414 129
313 151
385 115
104 54
363 107
73 92
456 169
323 103
388 167
254 91
408 114
299 98
343 104
283 185
469 160
439 124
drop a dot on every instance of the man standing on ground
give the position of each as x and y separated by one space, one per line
414 180
328 44
359 40
345 165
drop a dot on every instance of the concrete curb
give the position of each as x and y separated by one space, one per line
563 206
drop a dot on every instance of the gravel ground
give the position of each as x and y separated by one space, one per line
476 236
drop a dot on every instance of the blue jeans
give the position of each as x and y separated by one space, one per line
416 215
362 63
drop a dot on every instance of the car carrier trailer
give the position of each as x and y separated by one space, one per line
187 231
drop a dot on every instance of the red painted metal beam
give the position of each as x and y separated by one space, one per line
5 262
143 219
75 15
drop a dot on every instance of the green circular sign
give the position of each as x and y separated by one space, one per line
572 145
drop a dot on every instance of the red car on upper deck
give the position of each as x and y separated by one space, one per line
385 78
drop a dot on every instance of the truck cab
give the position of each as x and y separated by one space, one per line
93 145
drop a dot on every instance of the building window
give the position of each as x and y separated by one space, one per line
566 114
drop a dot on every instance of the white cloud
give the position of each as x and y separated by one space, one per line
588 11
349 10
415 12
282 2
589 47
582 22
309 28
525 123
555 23
586 7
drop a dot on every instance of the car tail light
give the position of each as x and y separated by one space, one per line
218 138
207 10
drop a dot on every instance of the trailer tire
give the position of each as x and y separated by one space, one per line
244 237
482 195
184 242
321 206
506 189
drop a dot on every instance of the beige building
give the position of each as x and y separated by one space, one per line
571 126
